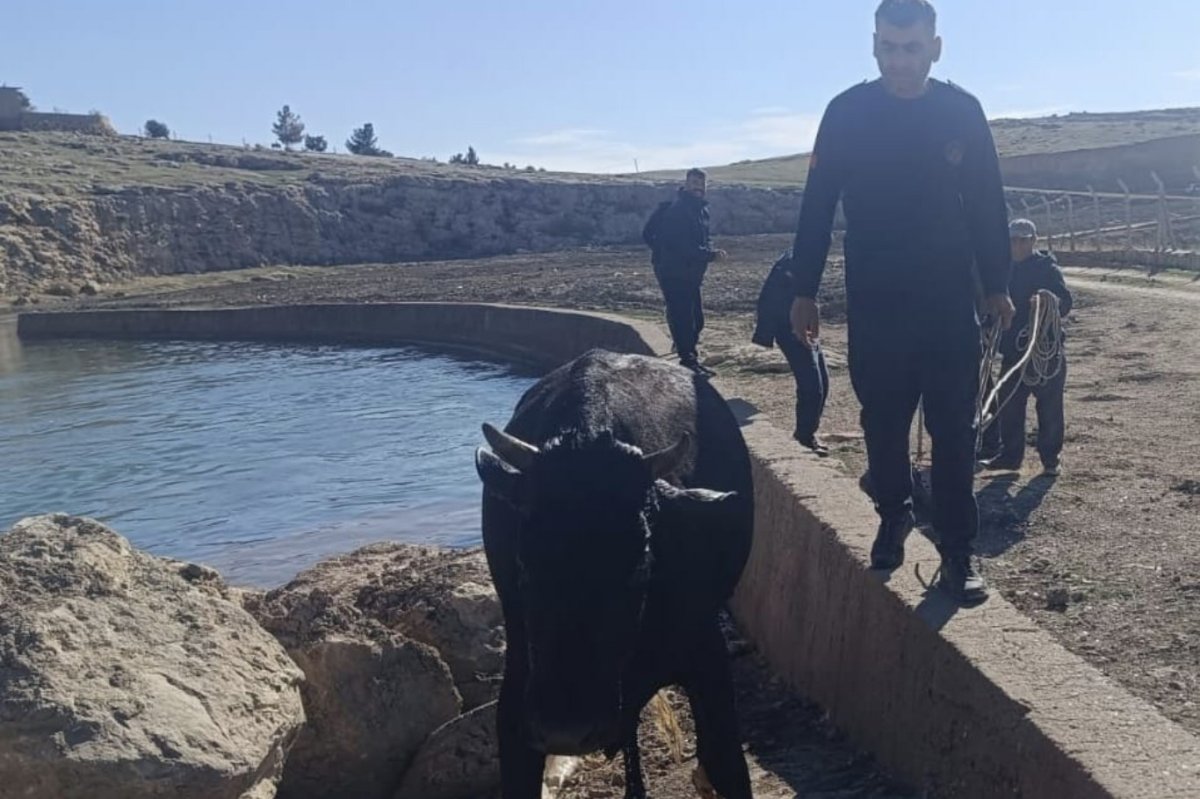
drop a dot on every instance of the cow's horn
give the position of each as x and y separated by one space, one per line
513 450
665 461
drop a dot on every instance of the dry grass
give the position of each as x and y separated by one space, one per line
70 164
1013 137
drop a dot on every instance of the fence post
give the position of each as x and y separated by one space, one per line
1196 172
1096 208
1166 236
1128 215
1049 223
1071 222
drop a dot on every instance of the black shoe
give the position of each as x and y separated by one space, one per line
693 363
813 443
887 553
959 578
1002 464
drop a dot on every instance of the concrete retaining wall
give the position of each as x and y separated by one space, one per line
968 704
1172 158
1188 261
530 336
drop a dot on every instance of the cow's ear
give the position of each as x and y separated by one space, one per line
498 477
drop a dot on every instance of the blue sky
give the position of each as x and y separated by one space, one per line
584 85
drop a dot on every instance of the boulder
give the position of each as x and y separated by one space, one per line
443 598
439 597
461 760
124 676
373 692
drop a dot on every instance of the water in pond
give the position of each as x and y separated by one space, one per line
255 459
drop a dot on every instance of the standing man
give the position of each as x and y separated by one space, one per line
913 162
1033 271
681 251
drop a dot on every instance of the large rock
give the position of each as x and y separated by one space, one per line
124 676
442 598
461 760
366 630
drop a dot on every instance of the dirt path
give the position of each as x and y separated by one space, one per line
1107 558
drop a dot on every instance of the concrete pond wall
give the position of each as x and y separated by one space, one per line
965 703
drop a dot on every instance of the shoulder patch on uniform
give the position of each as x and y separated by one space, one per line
955 151
958 89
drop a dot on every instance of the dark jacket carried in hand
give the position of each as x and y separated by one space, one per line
1039 271
775 303
678 237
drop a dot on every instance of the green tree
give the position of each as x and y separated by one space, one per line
288 128
362 141
315 144
157 130
470 159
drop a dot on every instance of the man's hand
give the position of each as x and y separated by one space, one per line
996 306
720 255
806 321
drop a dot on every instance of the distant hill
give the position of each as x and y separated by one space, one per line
1014 137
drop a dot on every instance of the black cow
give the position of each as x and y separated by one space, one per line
617 518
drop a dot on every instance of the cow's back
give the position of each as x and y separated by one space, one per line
651 404
644 401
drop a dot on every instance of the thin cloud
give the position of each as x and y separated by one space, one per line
771 110
765 133
567 137
1187 74
1031 113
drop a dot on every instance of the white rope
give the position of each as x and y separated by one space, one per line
1045 361
1040 362
1040 342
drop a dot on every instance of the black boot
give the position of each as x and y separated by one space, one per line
961 580
812 442
887 553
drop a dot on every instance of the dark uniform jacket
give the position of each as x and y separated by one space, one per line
678 236
920 186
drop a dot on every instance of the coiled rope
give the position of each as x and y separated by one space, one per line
1040 344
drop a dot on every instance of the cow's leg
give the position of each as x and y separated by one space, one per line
521 766
638 692
709 684
635 785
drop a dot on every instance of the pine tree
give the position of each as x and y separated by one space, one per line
288 128
362 141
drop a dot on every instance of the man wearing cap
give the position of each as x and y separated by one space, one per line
1033 271
913 162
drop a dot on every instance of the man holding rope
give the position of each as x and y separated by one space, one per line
1034 271
913 162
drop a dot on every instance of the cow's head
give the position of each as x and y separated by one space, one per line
586 506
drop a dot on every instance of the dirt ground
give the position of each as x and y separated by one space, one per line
1107 558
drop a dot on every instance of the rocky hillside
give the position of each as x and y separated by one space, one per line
75 209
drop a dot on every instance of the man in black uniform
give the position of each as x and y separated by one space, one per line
913 162
681 250
1033 271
